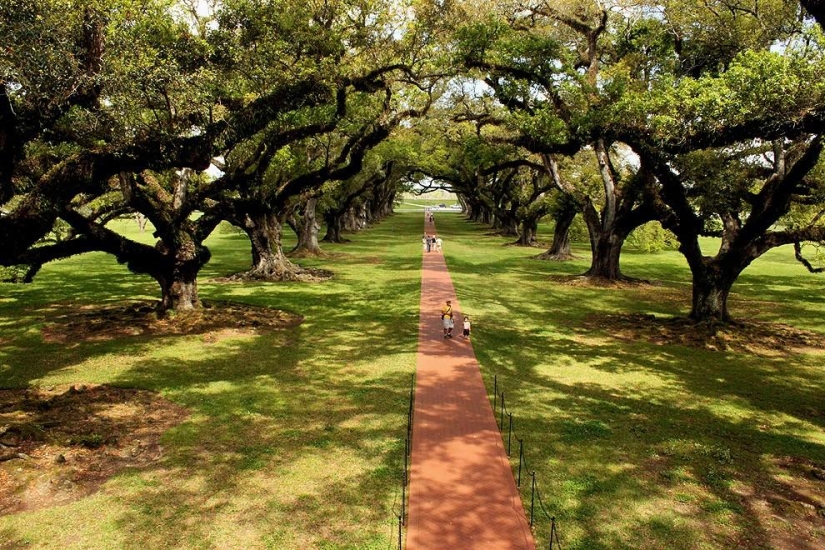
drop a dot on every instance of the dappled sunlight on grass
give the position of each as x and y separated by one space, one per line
635 444
280 421
643 445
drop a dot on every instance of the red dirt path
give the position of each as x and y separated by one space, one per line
462 491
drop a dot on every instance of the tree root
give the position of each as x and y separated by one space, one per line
564 257
12 456
299 274
623 280
307 253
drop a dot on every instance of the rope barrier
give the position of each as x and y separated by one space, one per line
535 493
405 477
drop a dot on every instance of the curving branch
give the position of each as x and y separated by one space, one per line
797 248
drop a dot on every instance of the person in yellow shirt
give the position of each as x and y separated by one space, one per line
447 319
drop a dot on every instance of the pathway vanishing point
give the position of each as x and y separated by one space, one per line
462 491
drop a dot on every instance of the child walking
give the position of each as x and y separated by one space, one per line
467 327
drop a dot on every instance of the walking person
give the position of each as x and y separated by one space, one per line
438 243
447 319
467 327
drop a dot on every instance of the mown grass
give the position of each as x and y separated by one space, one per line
642 445
295 438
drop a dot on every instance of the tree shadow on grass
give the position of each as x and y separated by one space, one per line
668 439
284 440
268 410
253 422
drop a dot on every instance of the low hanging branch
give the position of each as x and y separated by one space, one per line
797 248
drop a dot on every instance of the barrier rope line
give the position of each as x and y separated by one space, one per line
401 515
499 402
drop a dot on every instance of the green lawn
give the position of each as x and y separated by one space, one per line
295 438
643 445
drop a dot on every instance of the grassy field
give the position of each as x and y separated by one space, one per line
295 438
651 445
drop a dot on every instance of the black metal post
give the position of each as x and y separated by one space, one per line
403 497
400 534
501 423
553 534
510 434
532 496
409 414
520 460
495 392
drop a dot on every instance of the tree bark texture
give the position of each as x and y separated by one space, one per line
529 230
265 231
307 229
335 225
710 297
605 246
560 249
178 273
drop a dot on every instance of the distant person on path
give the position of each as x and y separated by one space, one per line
438 243
432 219
447 319
425 242
467 327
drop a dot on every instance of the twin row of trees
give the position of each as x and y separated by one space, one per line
705 118
117 107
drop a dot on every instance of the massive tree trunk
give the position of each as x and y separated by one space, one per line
307 228
529 230
389 203
606 249
179 286
713 277
179 290
743 241
710 296
560 249
605 246
609 229
265 231
508 226
472 212
355 219
335 226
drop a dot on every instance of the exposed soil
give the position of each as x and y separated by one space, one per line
601 282
795 504
297 274
753 337
142 318
60 444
